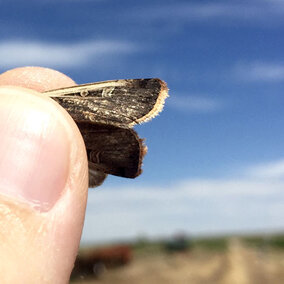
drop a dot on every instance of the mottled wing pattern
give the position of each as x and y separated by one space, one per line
105 113
120 103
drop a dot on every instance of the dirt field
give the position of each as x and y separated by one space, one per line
236 265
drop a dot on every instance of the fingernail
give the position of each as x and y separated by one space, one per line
34 151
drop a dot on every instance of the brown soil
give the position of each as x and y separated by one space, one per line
237 265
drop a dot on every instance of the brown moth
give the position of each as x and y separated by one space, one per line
105 112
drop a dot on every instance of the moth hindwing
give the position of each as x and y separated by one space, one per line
113 150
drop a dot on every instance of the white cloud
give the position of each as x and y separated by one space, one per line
260 71
277 3
230 10
200 104
191 11
20 53
268 170
195 206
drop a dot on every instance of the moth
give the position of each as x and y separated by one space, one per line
105 113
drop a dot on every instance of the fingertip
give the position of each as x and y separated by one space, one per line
53 234
40 79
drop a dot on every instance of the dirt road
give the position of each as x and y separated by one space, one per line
238 265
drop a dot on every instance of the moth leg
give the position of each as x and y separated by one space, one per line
96 178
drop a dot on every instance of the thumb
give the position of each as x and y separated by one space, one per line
43 188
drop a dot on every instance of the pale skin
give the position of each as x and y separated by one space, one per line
39 245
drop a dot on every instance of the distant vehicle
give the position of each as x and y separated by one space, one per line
179 243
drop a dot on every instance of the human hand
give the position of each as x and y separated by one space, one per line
43 179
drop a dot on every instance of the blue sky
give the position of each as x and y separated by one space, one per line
216 160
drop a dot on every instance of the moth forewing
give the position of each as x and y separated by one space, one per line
121 103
